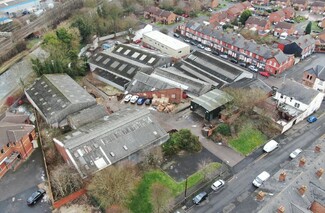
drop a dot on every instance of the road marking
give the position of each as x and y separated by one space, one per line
318 128
262 156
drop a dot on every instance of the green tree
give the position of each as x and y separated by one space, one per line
84 28
308 28
244 16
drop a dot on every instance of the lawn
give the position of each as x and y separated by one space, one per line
315 27
248 140
140 200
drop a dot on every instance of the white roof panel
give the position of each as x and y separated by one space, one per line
168 41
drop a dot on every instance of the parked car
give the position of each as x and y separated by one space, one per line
242 64
186 40
176 35
134 99
311 119
200 46
127 98
265 74
218 185
194 43
137 41
233 60
141 101
289 21
200 197
224 56
261 178
252 68
208 49
295 153
215 52
148 101
270 146
35 197
185 15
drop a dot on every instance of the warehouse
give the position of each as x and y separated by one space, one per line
166 44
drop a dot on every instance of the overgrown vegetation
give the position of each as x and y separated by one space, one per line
299 19
223 129
244 16
182 140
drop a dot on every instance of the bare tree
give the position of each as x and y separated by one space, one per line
204 167
161 198
113 185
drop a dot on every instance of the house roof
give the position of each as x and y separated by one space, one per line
318 4
53 94
299 1
305 94
106 141
166 40
213 99
288 10
5 5
173 76
284 25
158 12
251 83
13 127
256 20
318 71
305 41
219 16
86 115
280 56
278 13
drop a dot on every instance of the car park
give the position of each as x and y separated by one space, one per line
265 74
270 146
127 98
208 49
148 101
200 197
242 64
141 101
233 60
311 119
252 68
35 197
295 153
134 99
261 178
218 185
224 56
186 40
200 46
193 43
176 35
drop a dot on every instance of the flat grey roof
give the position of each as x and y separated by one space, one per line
212 100
168 41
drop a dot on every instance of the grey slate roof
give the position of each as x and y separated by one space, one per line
106 141
56 96
87 115
284 25
213 99
256 20
305 41
251 83
305 94
318 71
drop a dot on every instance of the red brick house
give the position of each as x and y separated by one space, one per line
284 27
283 3
279 62
300 5
260 2
16 137
277 16
317 7
236 10
218 17
256 23
158 15
289 12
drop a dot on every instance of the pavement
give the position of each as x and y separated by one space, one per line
17 186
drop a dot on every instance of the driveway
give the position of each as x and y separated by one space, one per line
17 186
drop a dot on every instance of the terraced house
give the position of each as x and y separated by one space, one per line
236 46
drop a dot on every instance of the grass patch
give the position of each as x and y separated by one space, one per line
299 19
31 43
315 27
247 141
140 200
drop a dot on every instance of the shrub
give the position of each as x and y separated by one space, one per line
224 129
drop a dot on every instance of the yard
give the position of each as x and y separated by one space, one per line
140 201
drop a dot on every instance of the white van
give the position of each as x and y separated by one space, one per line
270 146
259 180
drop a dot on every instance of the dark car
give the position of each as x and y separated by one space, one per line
193 43
141 101
242 64
215 53
35 197
233 60
176 35
148 101
200 197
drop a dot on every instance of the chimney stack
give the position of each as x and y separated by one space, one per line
317 148
320 172
281 209
260 196
282 176
302 162
302 190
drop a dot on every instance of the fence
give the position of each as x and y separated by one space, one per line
69 198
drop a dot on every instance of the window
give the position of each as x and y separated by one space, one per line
8 144
281 96
297 105
310 77
291 99
2 151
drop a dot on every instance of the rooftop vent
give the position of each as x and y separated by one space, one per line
155 133
112 154
125 147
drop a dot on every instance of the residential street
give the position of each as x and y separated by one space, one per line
240 186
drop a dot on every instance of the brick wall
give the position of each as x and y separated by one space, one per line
174 95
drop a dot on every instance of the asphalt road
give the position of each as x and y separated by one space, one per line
240 186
